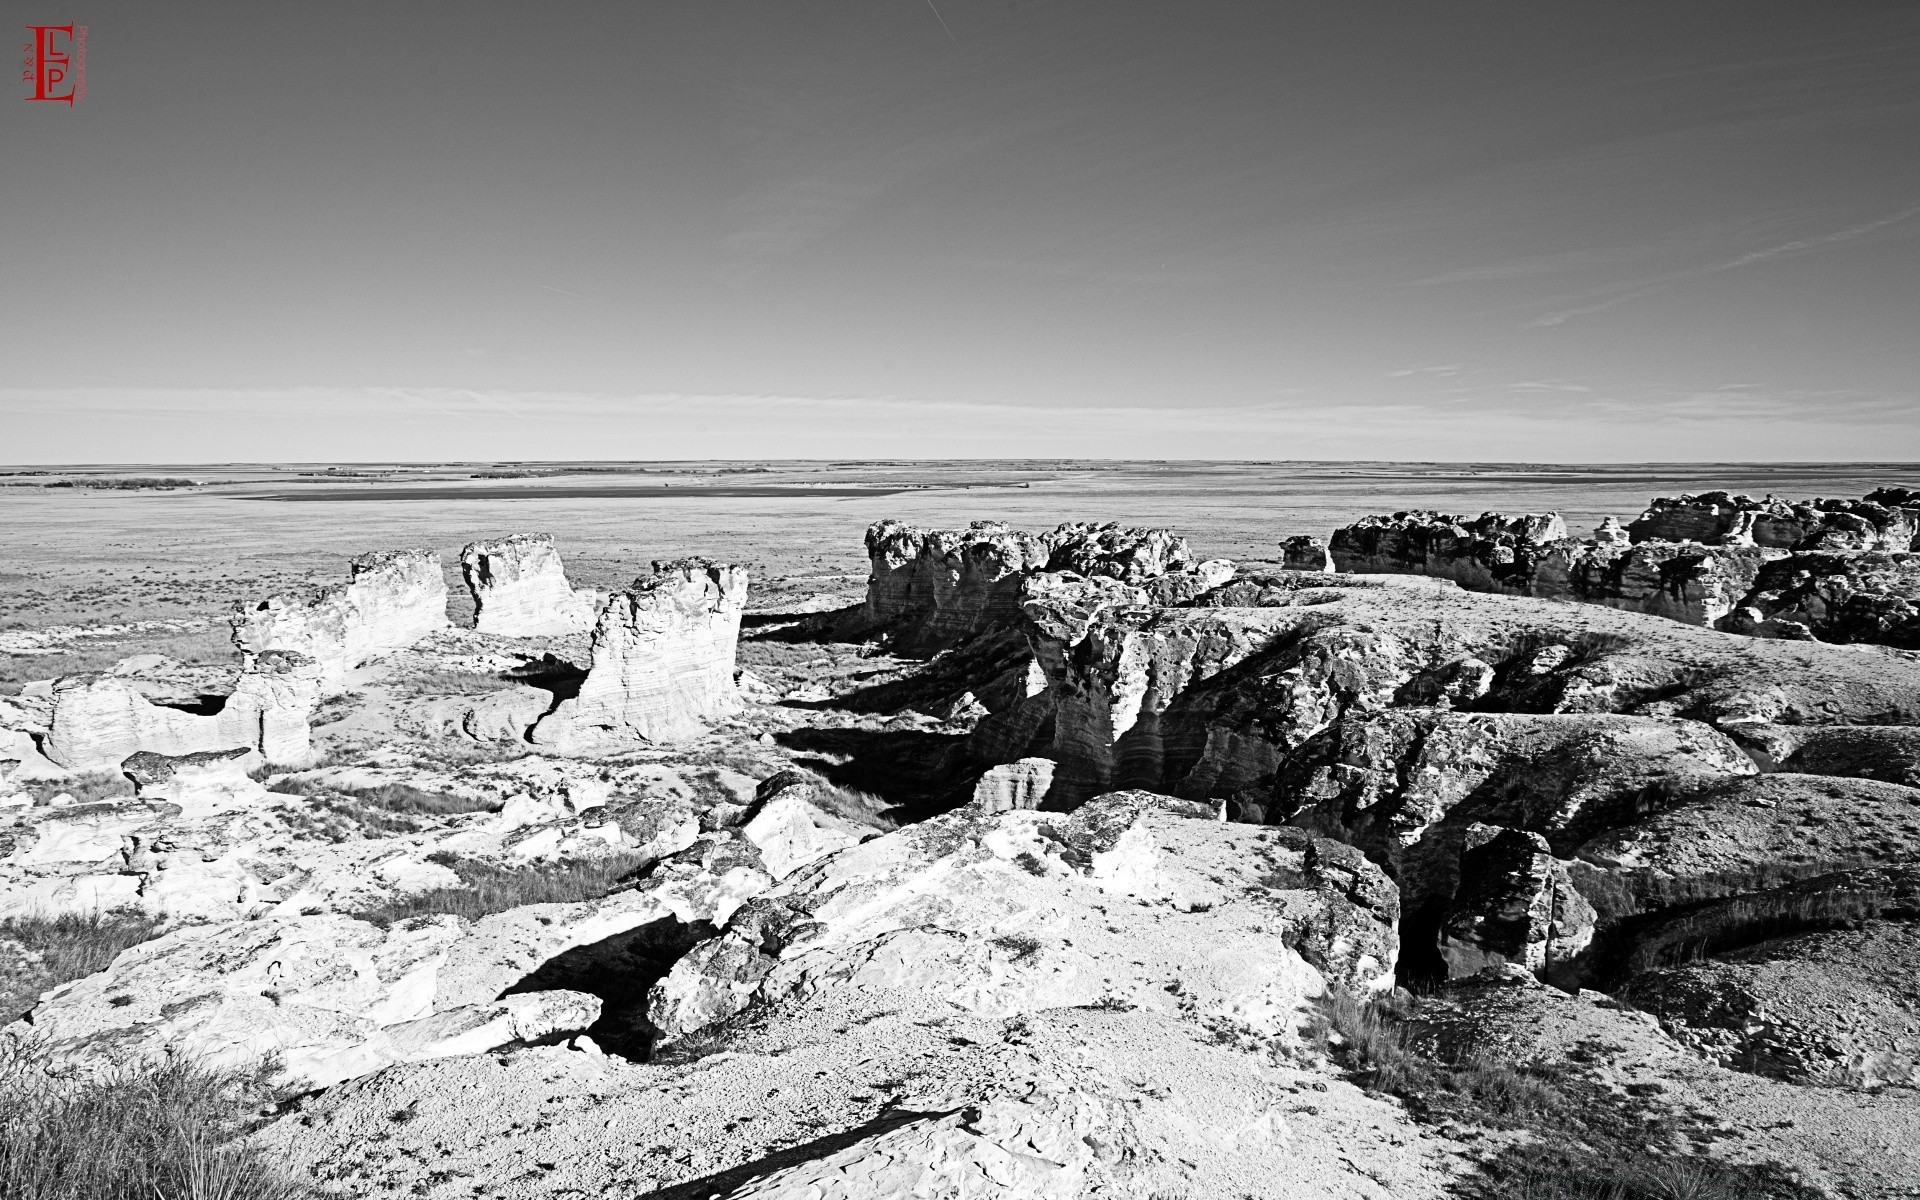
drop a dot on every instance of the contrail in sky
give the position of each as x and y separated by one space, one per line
943 23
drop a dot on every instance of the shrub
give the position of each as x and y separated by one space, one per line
486 889
90 788
63 948
151 1132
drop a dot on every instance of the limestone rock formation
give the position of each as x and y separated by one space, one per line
1866 596
391 600
97 721
1304 552
520 589
335 998
201 783
1515 905
1015 912
663 661
792 828
935 588
1882 521
1015 785
1889 753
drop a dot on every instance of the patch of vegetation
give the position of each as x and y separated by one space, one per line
439 682
486 889
166 1131
38 953
1019 947
343 813
89 788
1588 1144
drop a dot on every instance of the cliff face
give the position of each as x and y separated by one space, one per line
662 666
391 600
520 588
99 720
1834 597
936 588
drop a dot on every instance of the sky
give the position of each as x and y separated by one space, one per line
1466 231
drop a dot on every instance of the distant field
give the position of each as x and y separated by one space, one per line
87 554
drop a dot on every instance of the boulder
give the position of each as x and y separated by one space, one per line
201 784
1515 905
1889 753
1014 785
792 829
391 600
1304 552
662 662
520 589
98 720
1016 912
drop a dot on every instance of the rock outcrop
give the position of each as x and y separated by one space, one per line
1007 913
201 784
935 588
520 589
663 662
1861 596
97 721
391 600
1304 552
1515 904
333 998
1725 518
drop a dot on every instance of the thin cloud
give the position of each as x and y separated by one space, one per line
1785 249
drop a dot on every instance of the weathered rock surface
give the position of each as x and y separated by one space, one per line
1830 1006
391 600
520 588
201 784
1008 913
1304 552
1889 753
793 827
335 998
1716 838
1724 518
1865 596
96 721
936 588
663 661
1016 785
1515 905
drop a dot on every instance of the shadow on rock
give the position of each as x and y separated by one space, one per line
620 970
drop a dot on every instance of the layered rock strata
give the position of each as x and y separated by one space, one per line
97 721
520 588
662 661
391 600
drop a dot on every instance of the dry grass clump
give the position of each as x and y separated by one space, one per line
486 889
1368 1036
38 953
339 813
852 804
90 788
1587 1145
163 1131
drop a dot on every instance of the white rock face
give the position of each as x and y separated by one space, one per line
663 662
520 589
1001 914
793 831
97 721
1014 785
336 998
201 784
391 600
